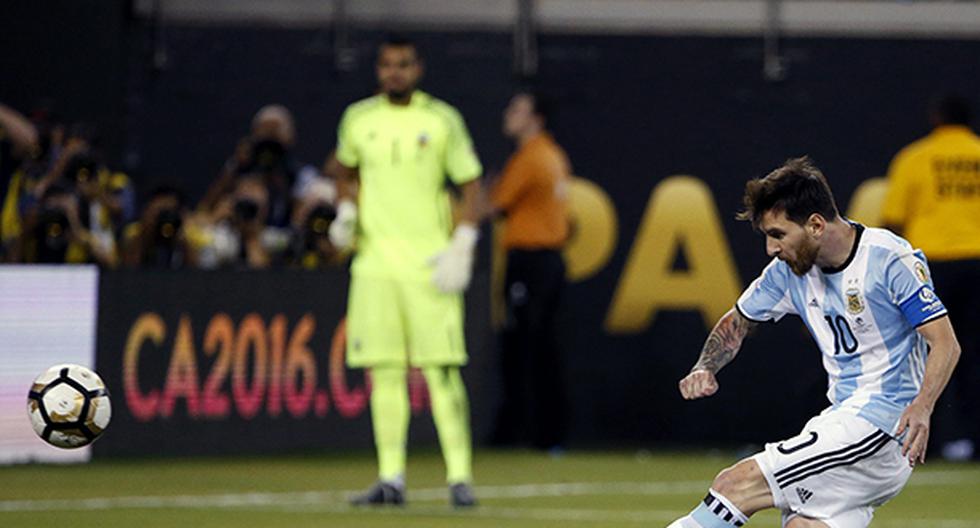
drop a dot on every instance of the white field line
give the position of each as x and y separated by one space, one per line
502 512
335 500
943 478
316 498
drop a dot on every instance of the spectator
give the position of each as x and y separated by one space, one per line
105 199
237 234
311 247
54 233
268 151
934 201
532 193
75 161
159 239
18 138
18 141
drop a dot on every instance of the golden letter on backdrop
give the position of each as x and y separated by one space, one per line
680 216
594 232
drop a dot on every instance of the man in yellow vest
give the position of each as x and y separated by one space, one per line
933 200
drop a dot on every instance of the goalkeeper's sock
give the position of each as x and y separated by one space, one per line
451 412
715 511
389 416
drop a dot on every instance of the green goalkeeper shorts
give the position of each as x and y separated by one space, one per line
392 322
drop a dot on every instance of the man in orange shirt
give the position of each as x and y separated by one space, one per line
532 194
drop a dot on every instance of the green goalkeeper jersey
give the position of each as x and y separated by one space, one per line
404 154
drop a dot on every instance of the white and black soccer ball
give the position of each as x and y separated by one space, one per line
69 406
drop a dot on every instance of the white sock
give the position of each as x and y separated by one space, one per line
715 511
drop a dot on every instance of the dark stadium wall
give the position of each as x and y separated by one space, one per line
632 108
69 58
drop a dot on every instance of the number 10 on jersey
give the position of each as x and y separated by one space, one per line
843 336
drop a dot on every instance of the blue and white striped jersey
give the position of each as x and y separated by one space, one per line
863 317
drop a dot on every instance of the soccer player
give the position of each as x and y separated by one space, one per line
888 348
405 305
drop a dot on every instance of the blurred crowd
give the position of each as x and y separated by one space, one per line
63 204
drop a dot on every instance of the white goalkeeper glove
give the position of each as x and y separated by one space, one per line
343 227
452 267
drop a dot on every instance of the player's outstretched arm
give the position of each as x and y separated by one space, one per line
944 353
720 348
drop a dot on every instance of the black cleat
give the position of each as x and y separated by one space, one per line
461 495
380 494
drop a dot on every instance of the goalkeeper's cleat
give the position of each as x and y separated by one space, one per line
461 495
380 494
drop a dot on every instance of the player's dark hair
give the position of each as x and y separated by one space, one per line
542 105
797 188
950 109
167 190
397 40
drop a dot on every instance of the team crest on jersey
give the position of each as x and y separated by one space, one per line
855 304
920 272
423 139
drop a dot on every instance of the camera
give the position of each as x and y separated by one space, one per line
81 169
168 225
51 235
268 155
318 221
246 210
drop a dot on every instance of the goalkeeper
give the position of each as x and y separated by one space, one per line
405 305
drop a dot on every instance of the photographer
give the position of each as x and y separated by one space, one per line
267 151
18 138
109 195
106 198
237 234
54 233
311 247
158 240
20 143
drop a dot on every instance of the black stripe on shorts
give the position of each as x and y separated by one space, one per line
857 445
840 457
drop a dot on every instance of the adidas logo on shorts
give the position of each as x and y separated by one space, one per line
804 494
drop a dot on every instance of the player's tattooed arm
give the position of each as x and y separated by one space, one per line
719 349
724 342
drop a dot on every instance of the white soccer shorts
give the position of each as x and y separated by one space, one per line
837 470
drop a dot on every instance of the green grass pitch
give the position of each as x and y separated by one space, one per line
516 489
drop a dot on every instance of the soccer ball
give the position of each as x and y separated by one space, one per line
69 406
